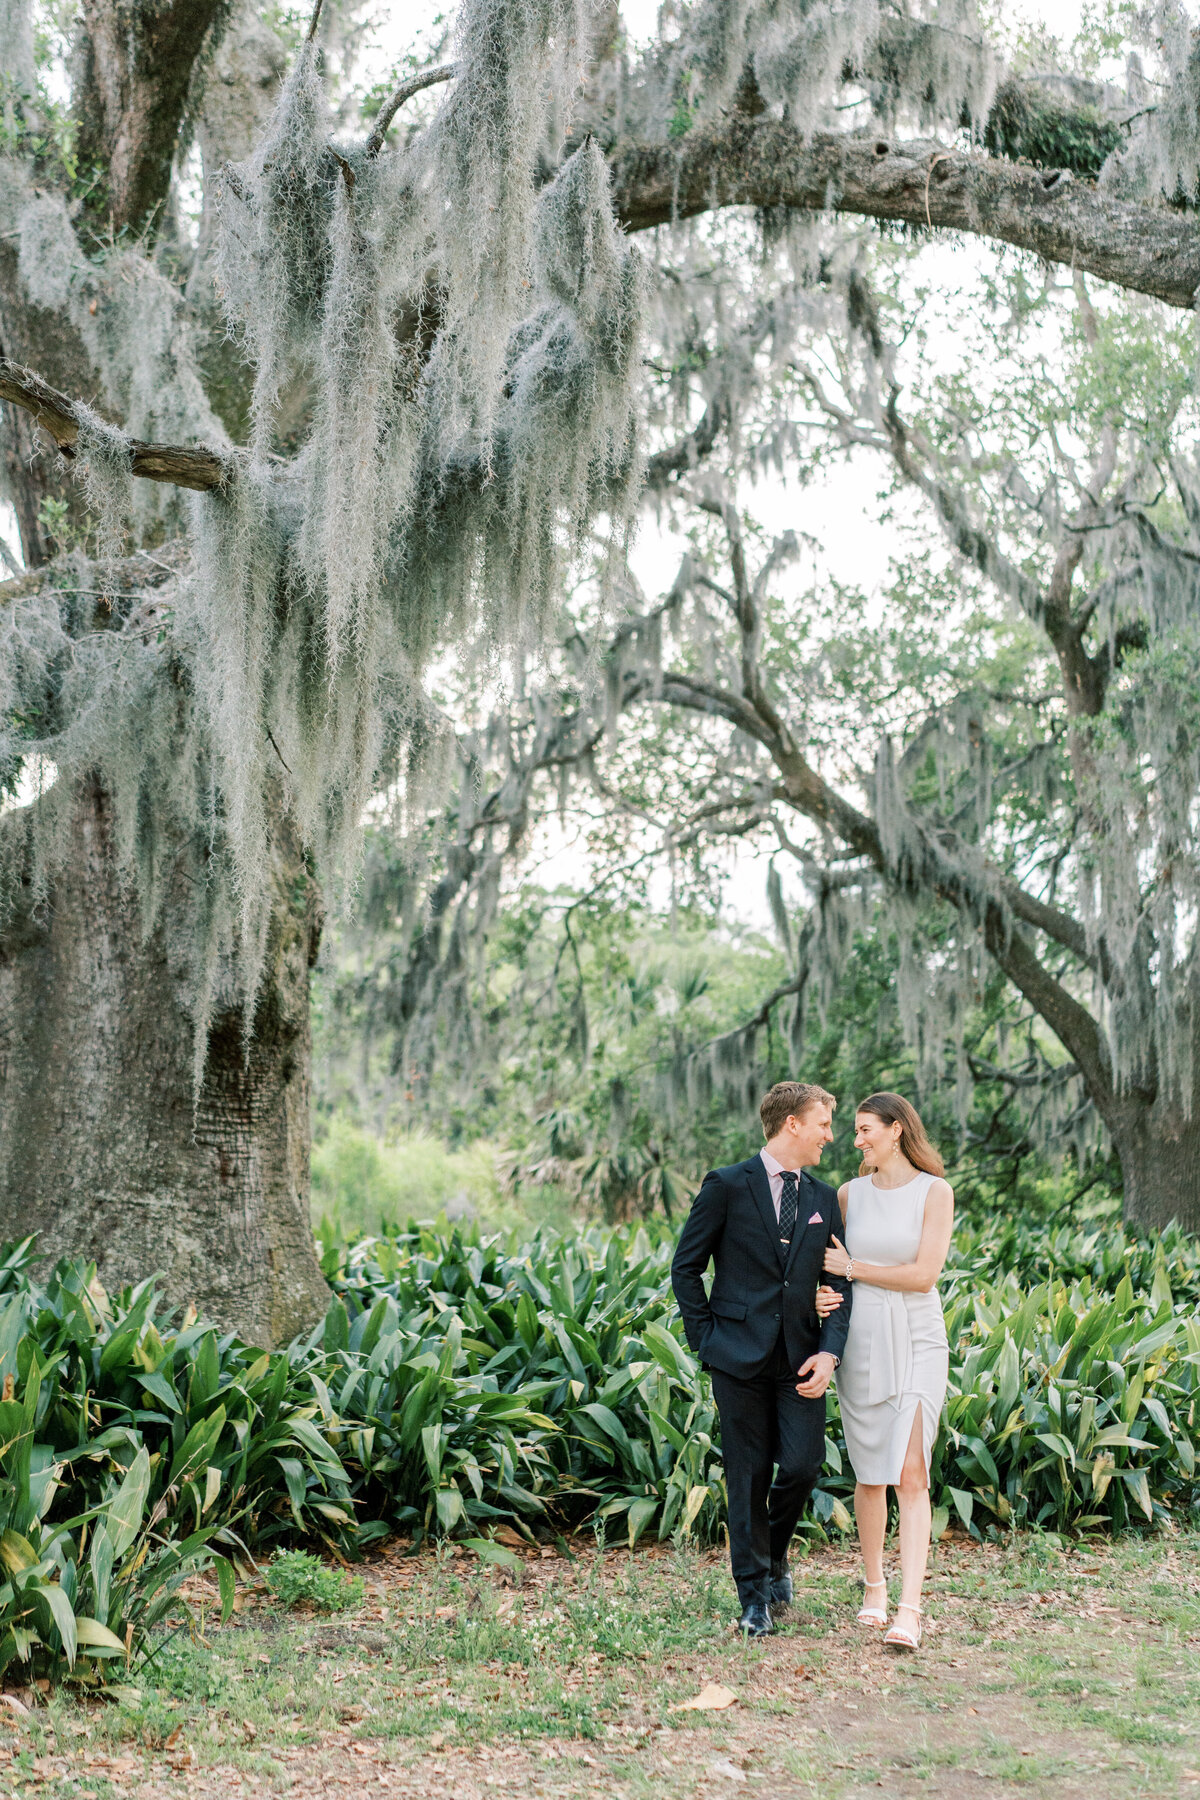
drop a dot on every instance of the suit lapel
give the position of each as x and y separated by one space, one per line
760 1187
806 1204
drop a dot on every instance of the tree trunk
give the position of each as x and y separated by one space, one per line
105 1151
1160 1160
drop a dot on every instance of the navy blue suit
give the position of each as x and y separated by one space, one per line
753 1332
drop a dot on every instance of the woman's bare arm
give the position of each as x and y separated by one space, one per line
918 1277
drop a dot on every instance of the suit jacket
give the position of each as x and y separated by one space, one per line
759 1287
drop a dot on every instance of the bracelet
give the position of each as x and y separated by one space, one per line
849 1268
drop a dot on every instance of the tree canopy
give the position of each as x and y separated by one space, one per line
347 459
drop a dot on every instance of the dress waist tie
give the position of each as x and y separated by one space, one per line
890 1372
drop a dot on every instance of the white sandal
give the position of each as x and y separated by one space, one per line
873 1615
900 1639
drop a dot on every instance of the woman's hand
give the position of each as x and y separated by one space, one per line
836 1259
828 1301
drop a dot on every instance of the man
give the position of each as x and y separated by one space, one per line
765 1225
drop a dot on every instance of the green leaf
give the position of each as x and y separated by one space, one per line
100 1562
17 1553
161 1389
610 1425
695 1500
90 1634
196 1450
63 1615
297 1485
640 1515
449 1507
489 1552
227 1582
212 1486
128 1505
964 1504
431 1444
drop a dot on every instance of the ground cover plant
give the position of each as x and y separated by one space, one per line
298 1578
1049 1666
504 1393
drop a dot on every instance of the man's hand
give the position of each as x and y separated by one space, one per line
815 1375
828 1301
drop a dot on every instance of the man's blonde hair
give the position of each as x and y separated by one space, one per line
790 1099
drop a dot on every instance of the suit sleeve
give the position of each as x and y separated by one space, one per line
699 1238
835 1327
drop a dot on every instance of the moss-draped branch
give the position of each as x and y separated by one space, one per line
766 162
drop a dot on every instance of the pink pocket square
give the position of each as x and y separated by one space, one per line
816 1219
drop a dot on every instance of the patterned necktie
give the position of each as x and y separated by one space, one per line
787 1205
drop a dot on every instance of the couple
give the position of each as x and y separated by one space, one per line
771 1334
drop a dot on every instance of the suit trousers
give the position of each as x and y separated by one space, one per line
765 1423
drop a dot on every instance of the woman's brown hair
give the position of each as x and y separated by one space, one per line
894 1109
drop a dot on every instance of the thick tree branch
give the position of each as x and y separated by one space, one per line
1071 1023
174 463
766 162
692 448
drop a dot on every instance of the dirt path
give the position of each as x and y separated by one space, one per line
1046 1670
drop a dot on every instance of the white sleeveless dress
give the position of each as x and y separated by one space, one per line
896 1358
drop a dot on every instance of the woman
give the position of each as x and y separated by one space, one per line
892 1381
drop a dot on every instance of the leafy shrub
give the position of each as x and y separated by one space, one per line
296 1577
77 1595
228 1429
458 1383
1071 1403
366 1184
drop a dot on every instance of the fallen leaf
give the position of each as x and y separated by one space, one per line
16 1705
973 1709
445 1612
174 1738
437 1740
723 1766
504 1534
711 1698
249 1730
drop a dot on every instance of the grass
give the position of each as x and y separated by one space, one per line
1049 1669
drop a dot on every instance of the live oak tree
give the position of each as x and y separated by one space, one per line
1001 768
362 417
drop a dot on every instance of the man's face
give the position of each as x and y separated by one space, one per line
811 1131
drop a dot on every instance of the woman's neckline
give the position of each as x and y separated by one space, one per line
900 1186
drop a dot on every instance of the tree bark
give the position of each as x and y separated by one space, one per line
105 1150
132 90
1159 1151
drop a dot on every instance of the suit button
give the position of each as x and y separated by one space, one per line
776 1315
787 1284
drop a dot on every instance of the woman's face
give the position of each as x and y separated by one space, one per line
873 1138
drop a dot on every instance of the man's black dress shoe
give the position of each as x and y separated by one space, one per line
781 1585
755 1621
